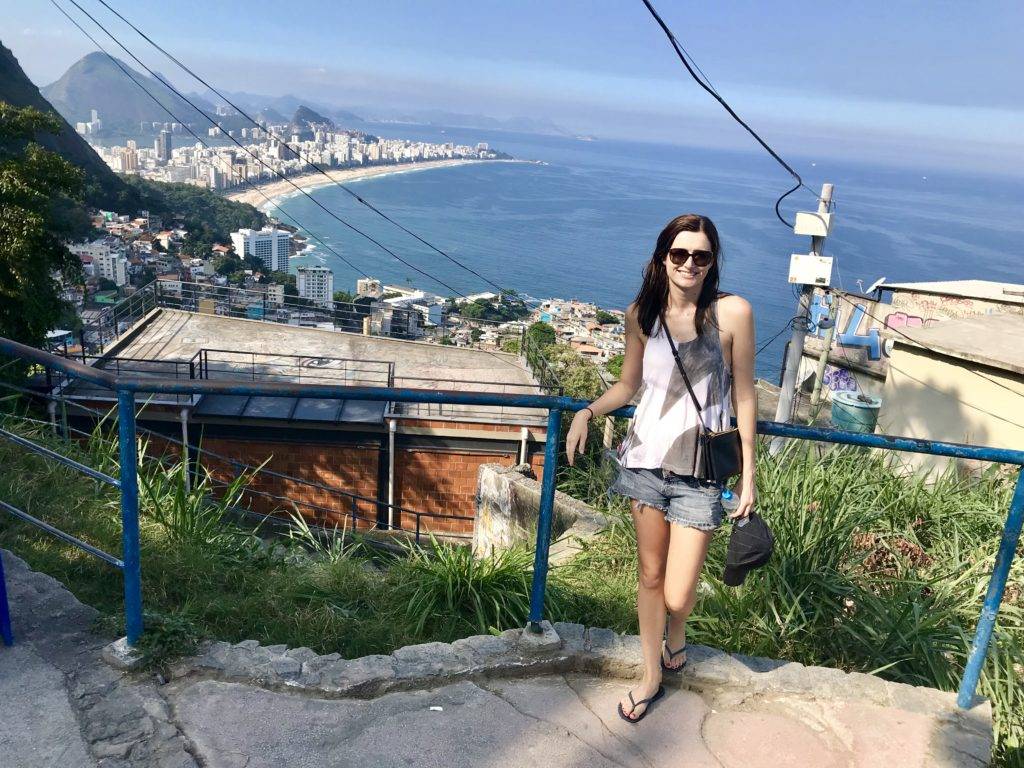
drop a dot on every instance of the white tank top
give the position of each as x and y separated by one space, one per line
664 430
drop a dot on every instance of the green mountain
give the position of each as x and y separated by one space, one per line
270 115
96 82
305 121
103 187
207 215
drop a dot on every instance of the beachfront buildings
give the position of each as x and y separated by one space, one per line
271 246
273 153
315 283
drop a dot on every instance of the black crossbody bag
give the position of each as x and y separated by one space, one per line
721 452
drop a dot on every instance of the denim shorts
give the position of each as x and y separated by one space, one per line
685 500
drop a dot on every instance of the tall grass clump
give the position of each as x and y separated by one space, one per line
446 593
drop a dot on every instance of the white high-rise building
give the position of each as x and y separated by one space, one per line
111 265
316 283
271 246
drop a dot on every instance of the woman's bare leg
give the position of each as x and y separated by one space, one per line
686 552
652 535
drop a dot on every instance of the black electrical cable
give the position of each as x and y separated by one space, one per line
205 144
793 324
295 152
256 157
175 118
683 57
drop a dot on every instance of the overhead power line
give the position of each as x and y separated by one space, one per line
295 152
258 159
255 187
686 59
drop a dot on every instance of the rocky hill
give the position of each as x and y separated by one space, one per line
104 188
96 82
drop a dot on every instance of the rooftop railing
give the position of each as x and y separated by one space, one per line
127 387
375 319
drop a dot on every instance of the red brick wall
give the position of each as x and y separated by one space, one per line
343 467
426 480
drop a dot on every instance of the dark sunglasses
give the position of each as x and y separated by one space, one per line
700 258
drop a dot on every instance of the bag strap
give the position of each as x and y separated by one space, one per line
679 365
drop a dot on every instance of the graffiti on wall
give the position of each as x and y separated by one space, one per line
839 379
903 320
852 335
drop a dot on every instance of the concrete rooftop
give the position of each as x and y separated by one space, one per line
1010 293
168 334
992 340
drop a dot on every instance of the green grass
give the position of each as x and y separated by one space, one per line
873 571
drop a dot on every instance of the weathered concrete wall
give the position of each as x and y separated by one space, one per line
507 505
941 398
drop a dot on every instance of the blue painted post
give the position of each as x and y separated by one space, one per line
993 597
5 609
132 570
547 505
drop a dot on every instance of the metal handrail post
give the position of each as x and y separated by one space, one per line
993 597
547 505
132 569
5 609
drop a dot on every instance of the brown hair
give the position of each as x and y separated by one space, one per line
652 298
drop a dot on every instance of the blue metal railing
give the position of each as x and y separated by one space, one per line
127 387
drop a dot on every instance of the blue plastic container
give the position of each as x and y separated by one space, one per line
855 412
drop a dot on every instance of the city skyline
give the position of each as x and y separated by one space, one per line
849 82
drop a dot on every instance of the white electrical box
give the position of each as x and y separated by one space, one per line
808 269
812 224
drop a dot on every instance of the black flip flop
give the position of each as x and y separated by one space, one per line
671 655
649 701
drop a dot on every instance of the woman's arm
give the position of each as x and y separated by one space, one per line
617 395
737 317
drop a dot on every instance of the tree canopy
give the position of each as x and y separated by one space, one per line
35 184
541 333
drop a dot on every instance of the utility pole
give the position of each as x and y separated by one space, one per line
829 324
796 345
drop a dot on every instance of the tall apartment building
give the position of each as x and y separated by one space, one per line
316 283
271 246
163 146
112 265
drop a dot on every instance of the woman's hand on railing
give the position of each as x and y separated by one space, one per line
576 440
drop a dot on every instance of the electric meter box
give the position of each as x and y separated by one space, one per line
812 224
808 269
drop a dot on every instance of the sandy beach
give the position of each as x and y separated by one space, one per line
309 181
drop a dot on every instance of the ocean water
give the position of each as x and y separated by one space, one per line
583 224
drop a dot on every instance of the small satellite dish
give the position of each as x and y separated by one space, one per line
875 285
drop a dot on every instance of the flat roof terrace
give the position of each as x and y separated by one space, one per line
168 339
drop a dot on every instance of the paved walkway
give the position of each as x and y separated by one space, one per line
484 701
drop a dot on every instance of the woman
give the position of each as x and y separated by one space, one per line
675 510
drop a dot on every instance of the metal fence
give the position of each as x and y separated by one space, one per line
127 387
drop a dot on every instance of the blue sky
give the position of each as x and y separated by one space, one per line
897 81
